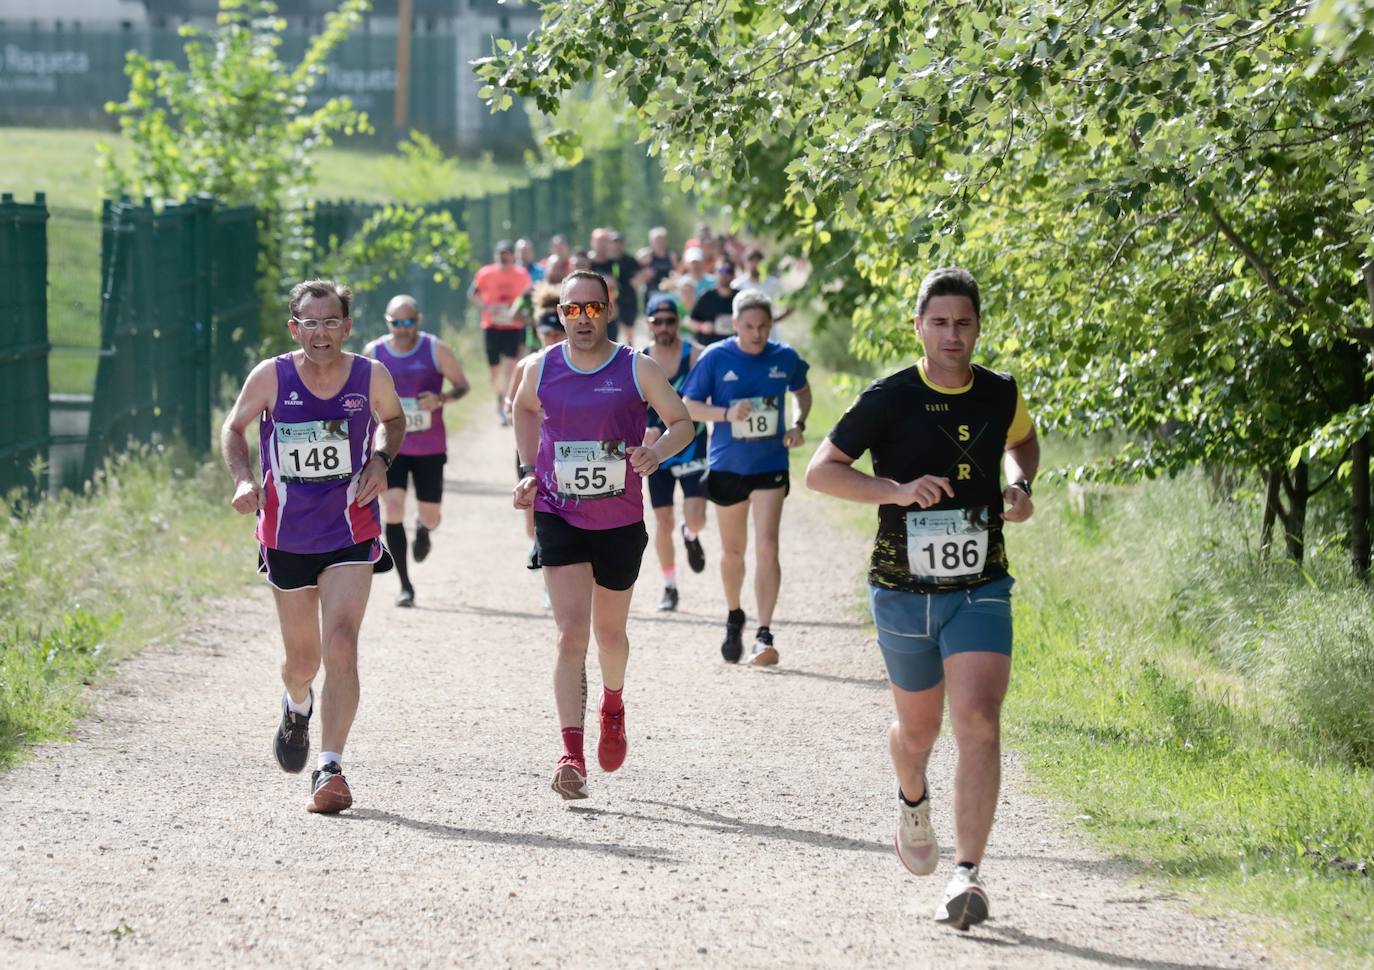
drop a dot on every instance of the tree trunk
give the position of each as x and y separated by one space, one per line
1295 521
1271 478
1357 393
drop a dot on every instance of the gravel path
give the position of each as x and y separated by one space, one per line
750 827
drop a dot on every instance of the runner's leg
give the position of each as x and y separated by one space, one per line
694 514
394 513
976 682
767 506
343 599
570 593
733 522
610 611
912 736
298 612
664 534
429 514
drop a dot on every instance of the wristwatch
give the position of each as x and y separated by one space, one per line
800 424
526 470
386 459
1023 485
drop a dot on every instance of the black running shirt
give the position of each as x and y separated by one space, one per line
915 428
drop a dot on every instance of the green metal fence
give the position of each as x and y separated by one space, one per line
23 341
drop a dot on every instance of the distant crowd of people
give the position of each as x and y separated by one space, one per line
702 280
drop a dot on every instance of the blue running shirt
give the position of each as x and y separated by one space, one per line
725 374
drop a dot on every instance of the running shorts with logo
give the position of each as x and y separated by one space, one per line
289 571
938 577
583 473
748 454
312 452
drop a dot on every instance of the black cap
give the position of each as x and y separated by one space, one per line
505 246
551 321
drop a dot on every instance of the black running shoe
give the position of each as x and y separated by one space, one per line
668 602
420 549
732 647
533 561
406 597
696 556
292 742
329 792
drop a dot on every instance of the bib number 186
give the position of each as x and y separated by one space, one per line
948 544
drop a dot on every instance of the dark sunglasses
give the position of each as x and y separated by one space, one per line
593 308
663 321
403 321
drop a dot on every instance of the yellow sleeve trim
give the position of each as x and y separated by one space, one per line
1021 425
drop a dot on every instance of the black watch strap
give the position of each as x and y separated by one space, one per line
1023 485
800 424
526 470
386 459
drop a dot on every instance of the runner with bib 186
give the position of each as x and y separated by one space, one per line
317 410
418 363
941 432
741 384
580 419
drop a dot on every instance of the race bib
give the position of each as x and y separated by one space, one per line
314 451
687 468
501 314
762 422
951 544
725 325
589 469
417 418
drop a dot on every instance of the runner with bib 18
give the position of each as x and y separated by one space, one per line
941 432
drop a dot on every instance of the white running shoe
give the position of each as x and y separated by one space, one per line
915 839
966 902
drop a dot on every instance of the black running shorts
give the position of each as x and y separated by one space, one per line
289 571
615 554
502 343
425 471
727 488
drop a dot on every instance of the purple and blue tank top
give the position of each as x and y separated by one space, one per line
590 420
312 452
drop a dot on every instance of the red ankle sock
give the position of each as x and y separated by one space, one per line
611 701
572 742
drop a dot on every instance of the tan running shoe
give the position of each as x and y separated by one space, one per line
570 778
329 792
764 653
915 839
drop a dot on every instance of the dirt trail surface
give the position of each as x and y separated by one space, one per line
750 827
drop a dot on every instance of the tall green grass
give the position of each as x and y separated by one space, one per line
1201 710
90 578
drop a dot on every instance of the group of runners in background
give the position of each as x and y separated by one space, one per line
597 412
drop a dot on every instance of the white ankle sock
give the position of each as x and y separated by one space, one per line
328 756
302 709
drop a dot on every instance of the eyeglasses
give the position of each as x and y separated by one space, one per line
309 324
593 308
663 321
403 321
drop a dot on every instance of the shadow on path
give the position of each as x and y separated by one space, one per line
1008 936
724 824
532 840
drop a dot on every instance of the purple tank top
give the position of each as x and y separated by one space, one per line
312 452
590 418
415 372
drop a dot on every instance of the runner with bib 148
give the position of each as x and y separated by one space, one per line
940 433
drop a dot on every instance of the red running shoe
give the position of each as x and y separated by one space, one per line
611 747
570 778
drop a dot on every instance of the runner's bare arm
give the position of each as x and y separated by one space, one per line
1020 463
832 472
701 411
452 369
392 420
663 399
525 415
794 436
257 395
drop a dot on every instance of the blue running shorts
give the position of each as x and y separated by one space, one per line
917 631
